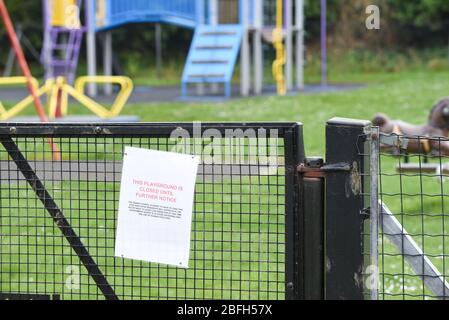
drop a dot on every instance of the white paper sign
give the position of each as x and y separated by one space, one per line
155 210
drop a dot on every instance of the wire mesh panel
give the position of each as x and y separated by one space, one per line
369 159
58 212
414 241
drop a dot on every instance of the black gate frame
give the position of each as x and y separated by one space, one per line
325 218
296 262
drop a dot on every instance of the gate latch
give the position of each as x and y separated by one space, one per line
315 168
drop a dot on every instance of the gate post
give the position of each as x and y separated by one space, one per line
345 204
311 181
294 156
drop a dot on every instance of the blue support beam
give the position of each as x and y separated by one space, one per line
184 13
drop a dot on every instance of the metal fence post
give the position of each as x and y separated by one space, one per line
374 206
344 216
295 155
312 206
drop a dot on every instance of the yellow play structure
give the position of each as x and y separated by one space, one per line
58 93
278 43
65 13
64 16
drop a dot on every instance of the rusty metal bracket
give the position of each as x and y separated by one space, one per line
314 168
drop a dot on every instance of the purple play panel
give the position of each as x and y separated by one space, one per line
61 49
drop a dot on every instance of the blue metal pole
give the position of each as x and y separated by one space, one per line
91 47
46 13
199 9
241 18
46 19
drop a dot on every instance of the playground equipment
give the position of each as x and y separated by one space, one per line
58 92
63 34
62 42
219 37
28 78
279 63
437 127
10 113
206 65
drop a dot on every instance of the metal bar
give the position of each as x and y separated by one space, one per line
300 44
429 169
245 59
288 14
413 254
130 129
32 50
278 66
107 60
257 46
24 296
294 265
58 217
12 56
91 46
200 14
213 12
374 212
344 203
313 257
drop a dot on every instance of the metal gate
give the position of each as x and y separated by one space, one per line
386 218
59 204
268 222
413 237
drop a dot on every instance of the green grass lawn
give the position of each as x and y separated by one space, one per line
408 95
236 253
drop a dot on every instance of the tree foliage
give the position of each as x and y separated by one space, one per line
430 14
405 23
